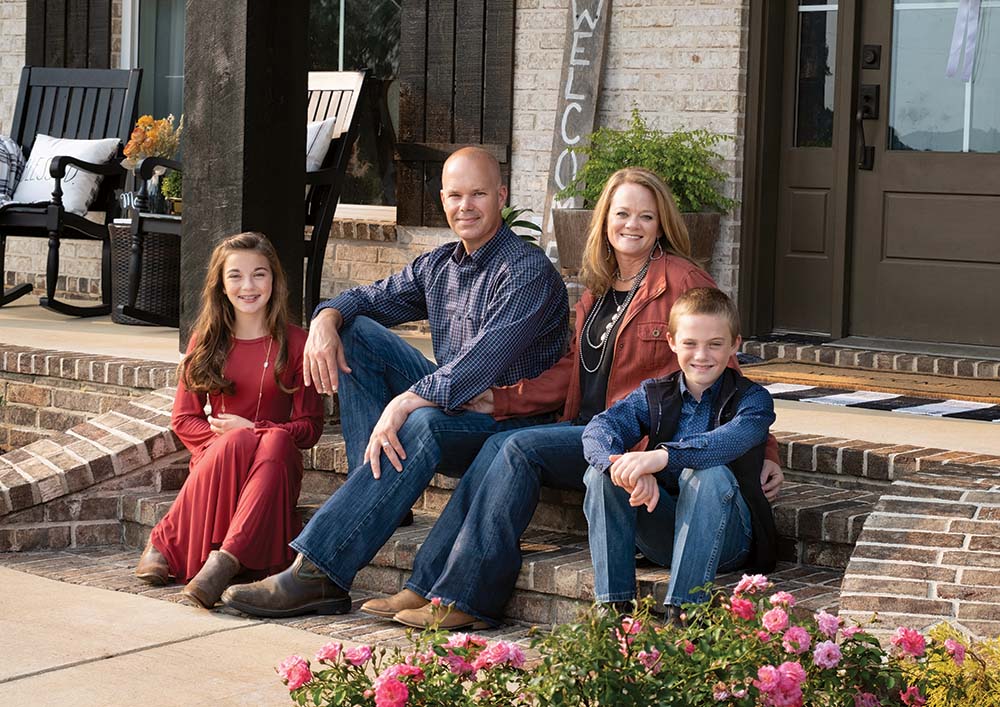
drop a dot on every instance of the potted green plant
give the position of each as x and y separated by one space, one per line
171 188
686 160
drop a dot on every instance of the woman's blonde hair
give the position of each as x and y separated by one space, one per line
599 265
202 370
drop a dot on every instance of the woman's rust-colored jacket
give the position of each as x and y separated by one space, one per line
641 349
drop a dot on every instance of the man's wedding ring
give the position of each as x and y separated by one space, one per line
385 443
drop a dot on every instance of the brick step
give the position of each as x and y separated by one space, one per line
941 365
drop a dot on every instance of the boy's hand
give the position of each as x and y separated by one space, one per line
771 479
627 469
646 493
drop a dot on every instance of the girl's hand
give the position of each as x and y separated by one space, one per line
627 469
226 422
646 493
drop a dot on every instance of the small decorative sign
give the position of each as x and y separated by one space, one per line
579 88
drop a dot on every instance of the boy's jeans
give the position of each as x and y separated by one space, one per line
701 524
356 521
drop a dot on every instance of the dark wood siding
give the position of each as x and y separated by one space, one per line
69 33
456 72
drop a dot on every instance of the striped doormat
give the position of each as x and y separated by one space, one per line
915 393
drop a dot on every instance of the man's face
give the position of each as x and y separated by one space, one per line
472 197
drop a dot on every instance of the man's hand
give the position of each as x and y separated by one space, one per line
226 422
385 434
323 355
627 469
646 493
771 479
481 403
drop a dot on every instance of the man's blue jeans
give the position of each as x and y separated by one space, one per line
472 556
700 525
356 521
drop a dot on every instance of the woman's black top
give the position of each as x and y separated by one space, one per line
594 386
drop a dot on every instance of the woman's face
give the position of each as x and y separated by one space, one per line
247 280
633 222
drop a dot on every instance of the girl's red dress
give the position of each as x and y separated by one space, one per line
243 486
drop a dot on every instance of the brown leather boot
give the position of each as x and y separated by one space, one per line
152 567
207 586
390 606
447 618
301 589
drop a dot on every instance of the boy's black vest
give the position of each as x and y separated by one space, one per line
664 399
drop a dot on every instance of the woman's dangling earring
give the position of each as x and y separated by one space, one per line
656 257
607 247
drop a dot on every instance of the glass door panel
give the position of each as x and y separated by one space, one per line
817 52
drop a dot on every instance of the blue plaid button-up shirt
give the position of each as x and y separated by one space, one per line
694 445
496 315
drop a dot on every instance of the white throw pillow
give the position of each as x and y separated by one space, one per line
79 187
318 137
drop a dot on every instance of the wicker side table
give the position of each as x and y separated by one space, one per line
159 274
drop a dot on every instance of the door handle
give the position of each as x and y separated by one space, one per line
866 156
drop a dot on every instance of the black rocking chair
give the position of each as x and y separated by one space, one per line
76 104
332 94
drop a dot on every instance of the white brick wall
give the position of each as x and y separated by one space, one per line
681 62
12 32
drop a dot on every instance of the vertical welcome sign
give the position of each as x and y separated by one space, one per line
579 87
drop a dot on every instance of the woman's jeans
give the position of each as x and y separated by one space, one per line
356 521
472 556
700 525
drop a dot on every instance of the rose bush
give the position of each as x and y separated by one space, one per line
745 650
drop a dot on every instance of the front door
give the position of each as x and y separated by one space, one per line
926 241
900 240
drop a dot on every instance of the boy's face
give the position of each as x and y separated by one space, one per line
703 344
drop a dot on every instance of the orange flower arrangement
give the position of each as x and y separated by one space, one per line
152 138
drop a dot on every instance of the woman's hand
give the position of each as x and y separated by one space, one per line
627 469
646 493
771 479
481 403
226 422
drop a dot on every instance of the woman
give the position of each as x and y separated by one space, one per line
237 508
636 263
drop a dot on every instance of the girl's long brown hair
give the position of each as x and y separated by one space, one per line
202 370
598 269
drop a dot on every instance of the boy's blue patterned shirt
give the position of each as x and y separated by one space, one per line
496 315
694 445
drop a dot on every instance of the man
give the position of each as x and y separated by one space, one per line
498 313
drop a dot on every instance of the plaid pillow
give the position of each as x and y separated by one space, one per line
11 166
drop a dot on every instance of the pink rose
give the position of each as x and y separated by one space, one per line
436 601
359 655
764 636
796 640
866 699
849 631
775 620
457 664
295 672
827 654
782 599
751 584
792 673
742 608
768 678
912 697
630 627
828 624
909 641
955 649
391 693
329 653
689 647
650 659
499 653
402 670
465 640
720 691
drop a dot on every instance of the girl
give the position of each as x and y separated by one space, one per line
237 508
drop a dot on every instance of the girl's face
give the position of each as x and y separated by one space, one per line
247 280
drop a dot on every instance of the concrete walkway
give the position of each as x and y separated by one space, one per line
64 644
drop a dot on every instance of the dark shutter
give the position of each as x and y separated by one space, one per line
69 33
456 75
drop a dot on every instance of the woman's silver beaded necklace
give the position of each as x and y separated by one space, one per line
585 334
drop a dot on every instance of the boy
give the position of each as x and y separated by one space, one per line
699 478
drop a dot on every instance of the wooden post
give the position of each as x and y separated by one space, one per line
244 136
